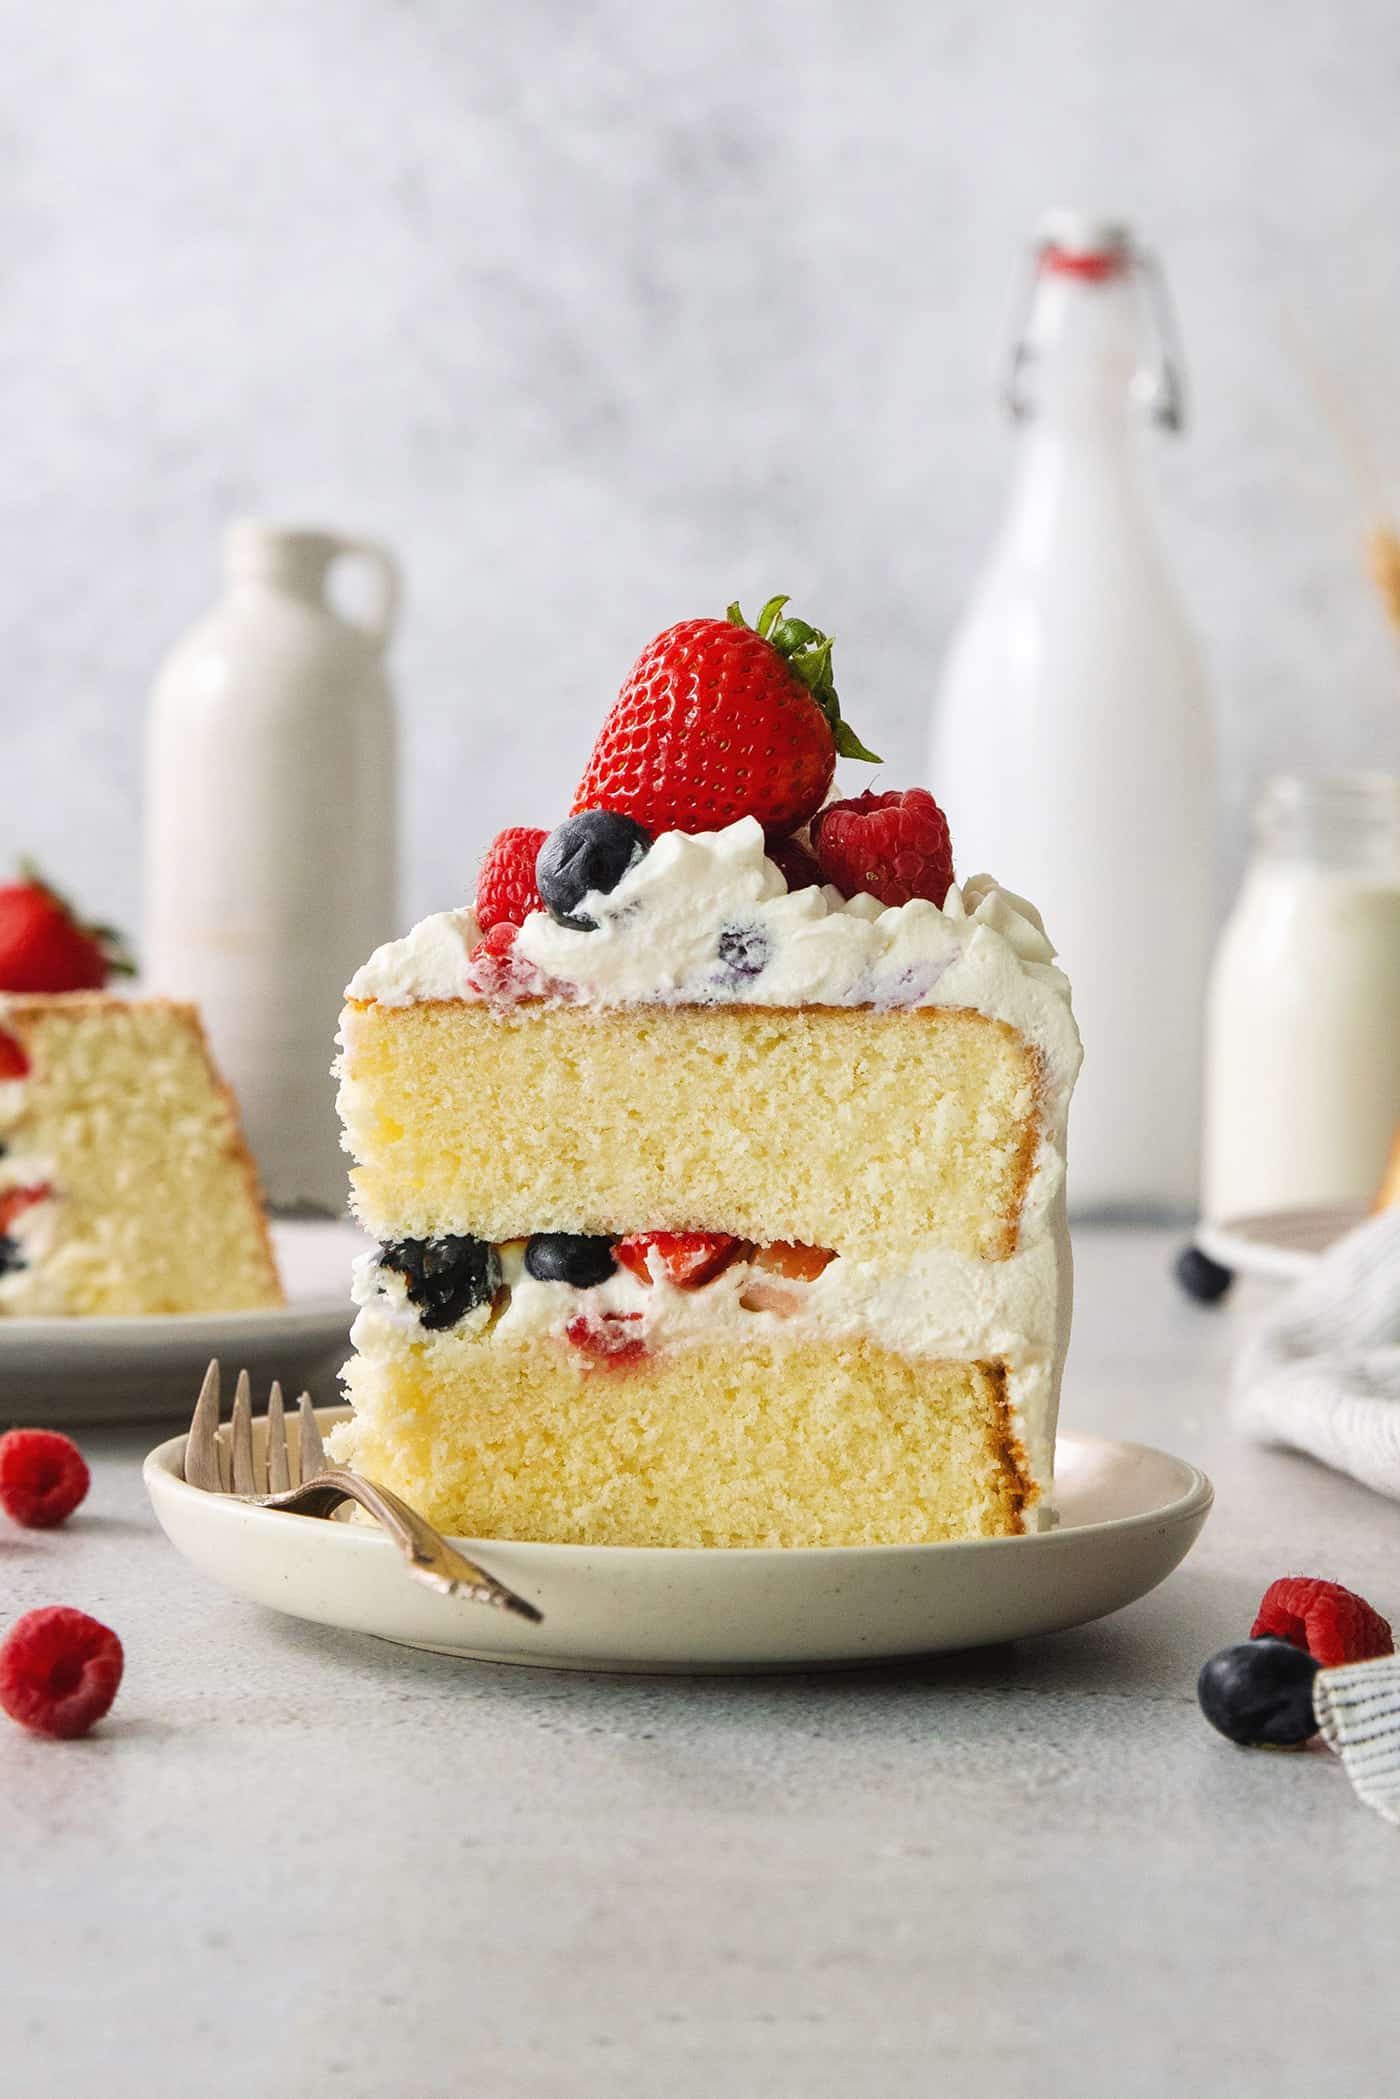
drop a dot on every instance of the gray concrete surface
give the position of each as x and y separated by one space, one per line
299 1863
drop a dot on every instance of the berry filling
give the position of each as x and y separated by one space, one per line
607 1335
15 1201
445 1279
686 1259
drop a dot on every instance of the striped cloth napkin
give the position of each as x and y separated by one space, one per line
1358 1709
1321 1373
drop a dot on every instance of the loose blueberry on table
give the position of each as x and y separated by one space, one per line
1260 1694
586 854
1200 1277
578 1258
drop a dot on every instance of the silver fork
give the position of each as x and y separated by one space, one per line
304 1483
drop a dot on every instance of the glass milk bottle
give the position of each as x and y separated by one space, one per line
270 834
1071 742
1303 1022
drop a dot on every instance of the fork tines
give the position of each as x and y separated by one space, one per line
205 1463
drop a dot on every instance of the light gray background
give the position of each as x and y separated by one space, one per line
602 314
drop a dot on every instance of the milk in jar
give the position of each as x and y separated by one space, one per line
1303 1015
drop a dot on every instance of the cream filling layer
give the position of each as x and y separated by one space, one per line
939 1306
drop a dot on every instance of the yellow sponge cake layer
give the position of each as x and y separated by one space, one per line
839 1127
717 1446
124 1159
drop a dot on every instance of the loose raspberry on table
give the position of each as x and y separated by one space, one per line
1328 1622
59 1671
505 885
890 846
43 1477
14 1064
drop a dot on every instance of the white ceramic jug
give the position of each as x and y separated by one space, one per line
1072 739
271 862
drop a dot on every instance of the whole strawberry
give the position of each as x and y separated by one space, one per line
891 846
45 947
718 720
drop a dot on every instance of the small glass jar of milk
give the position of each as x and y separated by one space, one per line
1303 1011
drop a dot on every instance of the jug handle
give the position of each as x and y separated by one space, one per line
389 586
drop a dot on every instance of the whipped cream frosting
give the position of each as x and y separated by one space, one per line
708 919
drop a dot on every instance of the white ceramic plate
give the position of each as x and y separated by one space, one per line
84 1370
1129 1515
1285 1243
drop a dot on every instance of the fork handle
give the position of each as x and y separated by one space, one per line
428 1554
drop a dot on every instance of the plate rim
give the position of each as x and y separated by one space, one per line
1193 1505
302 1314
1249 1243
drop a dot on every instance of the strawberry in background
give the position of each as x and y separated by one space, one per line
45 946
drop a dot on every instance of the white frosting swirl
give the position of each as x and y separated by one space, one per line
707 919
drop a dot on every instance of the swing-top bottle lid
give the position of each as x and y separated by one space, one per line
1084 243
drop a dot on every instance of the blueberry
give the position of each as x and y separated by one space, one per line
570 1257
447 1277
592 851
1260 1694
745 951
1202 1278
10 1255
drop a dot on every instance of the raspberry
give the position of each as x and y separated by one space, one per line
59 1671
1325 1620
687 1259
795 864
490 968
13 1062
891 846
607 1336
505 885
43 1477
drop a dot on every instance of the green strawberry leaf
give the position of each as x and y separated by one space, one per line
849 745
807 653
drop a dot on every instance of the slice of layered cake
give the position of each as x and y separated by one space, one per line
125 1185
717 1167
